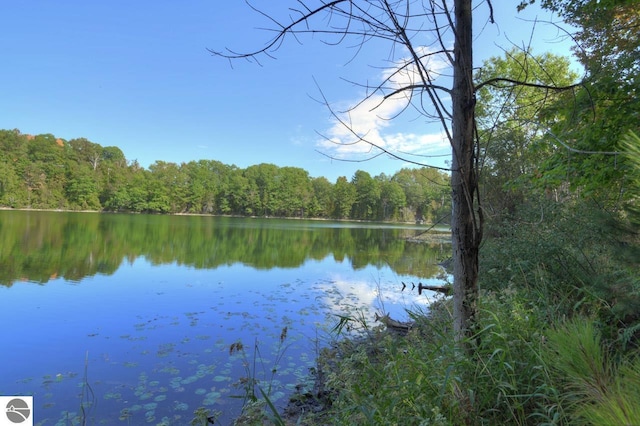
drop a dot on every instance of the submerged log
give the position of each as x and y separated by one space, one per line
397 326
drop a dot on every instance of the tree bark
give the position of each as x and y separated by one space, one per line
466 222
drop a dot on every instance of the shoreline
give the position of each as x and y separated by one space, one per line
429 228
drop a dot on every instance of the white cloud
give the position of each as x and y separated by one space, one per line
372 119
341 295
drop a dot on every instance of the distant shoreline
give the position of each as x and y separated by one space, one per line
436 229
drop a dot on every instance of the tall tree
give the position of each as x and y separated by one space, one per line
592 124
344 196
321 203
513 123
404 24
367 195
392 198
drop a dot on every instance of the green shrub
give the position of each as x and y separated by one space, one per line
596 388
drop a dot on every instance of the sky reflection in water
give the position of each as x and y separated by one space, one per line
156 338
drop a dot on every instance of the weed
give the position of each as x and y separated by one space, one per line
257 385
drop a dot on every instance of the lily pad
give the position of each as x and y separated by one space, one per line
150 406
180 406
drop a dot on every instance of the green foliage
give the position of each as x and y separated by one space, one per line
512 118
595 388
607 107
523 371
630 145
49 173
367 191
572 258
424 379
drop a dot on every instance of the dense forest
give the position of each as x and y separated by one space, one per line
45 172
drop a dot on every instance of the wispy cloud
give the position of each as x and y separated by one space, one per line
372 118
342 295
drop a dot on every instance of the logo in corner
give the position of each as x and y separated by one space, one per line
18 410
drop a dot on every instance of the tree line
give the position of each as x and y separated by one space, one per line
46 172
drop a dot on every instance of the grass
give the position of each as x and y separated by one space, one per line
520 375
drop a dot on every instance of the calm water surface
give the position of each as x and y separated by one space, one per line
144 309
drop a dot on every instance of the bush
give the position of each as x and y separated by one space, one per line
568 259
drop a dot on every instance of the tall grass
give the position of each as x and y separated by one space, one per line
535 365
258 383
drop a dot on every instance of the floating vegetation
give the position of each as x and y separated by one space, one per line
204 370
145 396
193 317
175 382
165 421
189 380
129 364
201 391
125 414
113 395
180 406
165 349
160 398
169 369
150 406
211 398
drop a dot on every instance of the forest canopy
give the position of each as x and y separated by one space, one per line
46 172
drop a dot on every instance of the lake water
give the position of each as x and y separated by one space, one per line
130 318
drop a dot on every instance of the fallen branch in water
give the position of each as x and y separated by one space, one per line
391 324
444 289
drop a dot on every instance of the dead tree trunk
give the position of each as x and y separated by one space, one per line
466 228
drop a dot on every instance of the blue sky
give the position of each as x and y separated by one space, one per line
137 75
